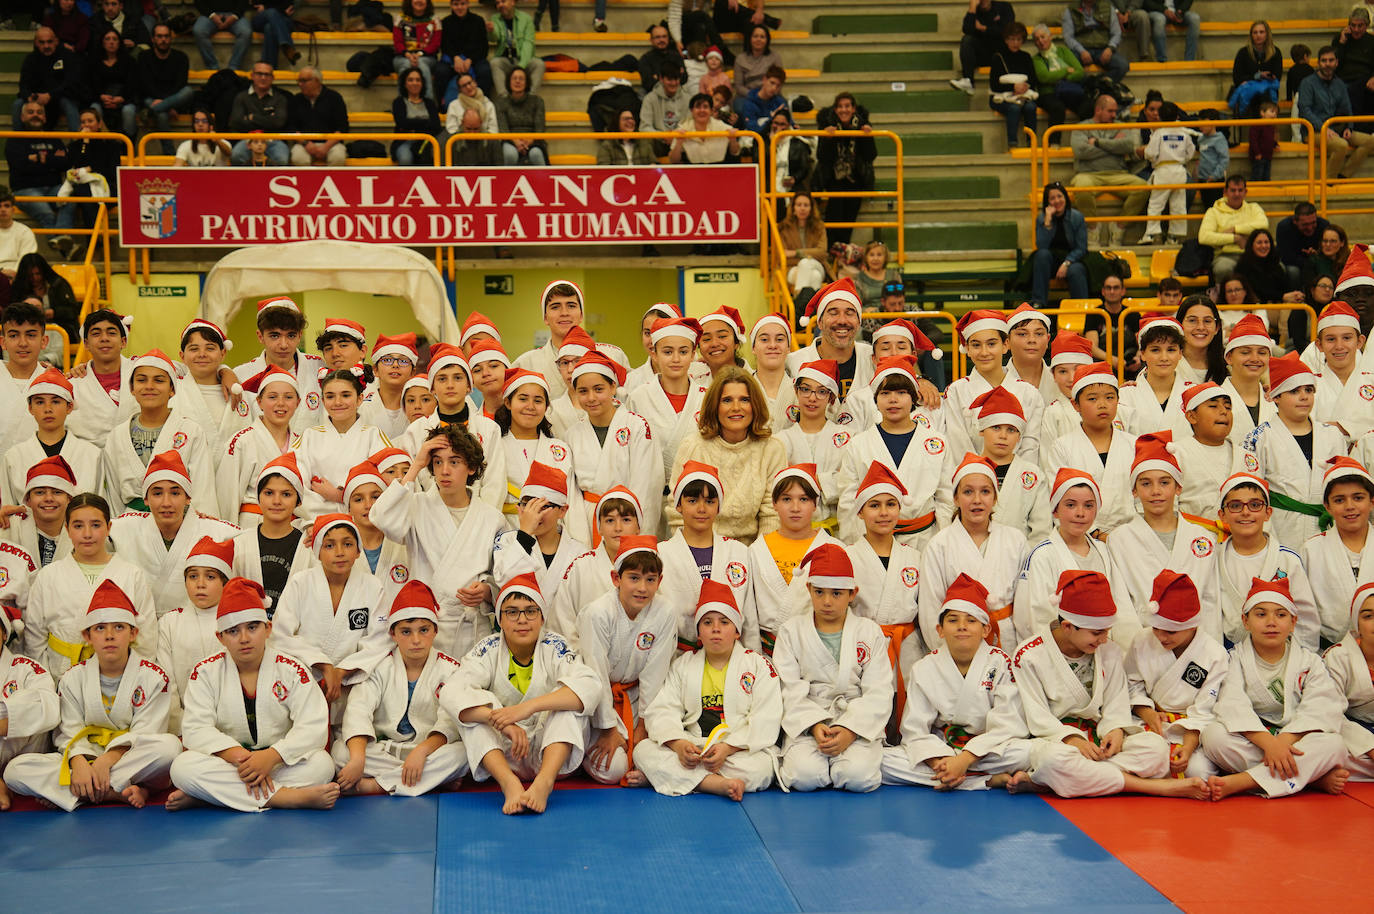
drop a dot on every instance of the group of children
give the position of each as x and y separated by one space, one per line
306 576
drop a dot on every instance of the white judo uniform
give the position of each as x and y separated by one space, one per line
681 585
491 488
587 578
781 407
629 457
777 600
863 362
1205 468
1350 673
307 626
1023 499
31 706
888 595
1349 404
219 418
929 499
996 565
1113 479
23 534
752 718
137 539
1333 572
1274 562
552 452
1183 688
1033 609
82 456
307 374
291 715
1141 555
1242 422
854 692
185 637
668 425
248 557
323 451
961 420
97 409
124 469
56 613
510 558
1272 453
391 422
1142 413
236 477
1049 390
826 450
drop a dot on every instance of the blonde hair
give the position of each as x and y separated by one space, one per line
709 423
1267 49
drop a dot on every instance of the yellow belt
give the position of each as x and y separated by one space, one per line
830 525
512 507
75 652
101 736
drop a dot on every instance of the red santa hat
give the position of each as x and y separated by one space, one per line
879 480
110 604
1198 394
52 382
577 291
967 596
825 372
623 494
1338 468
446 355
1026 312
726 315
1362 593
978 320
1156 451
11 622
487 351
1096 373
167 467
546 482
596 363
1066 479
803 472
53 472
416 380
906 330
686 328
278 301
413 601
695 471
629 545
829 566
517 378
900 366
1249 331
287 468
155 358
1158 322
999 406
576 344
242 600
347 327
1288 373
524 584
1357 271
323 524
1338 314
974 465
388 457
1174 605
358 371
211 553
716 597
257 384
770 320
402 344
1244 479
839 293
1276 592
1084 599
360 475
1069 348
476 324
663 309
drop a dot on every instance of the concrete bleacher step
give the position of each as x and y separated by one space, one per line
968 187
942 144
873 23
863 62
961 236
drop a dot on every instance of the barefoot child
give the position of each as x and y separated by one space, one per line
1174 671
30 706
524 701
255 724
396 738
714 724
1349 664
1098 445
1335 558
186 635
630 639
1279 715
113 738
1023 491
837 687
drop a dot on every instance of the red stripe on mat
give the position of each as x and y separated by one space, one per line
1364 792
1242 854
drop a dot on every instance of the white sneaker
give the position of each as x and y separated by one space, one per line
1149 239
1177 239
963 84
1102 237
1115 235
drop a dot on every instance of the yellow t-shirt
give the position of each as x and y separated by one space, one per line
519 674
787 553
712 698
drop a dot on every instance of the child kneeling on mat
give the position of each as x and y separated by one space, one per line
715 722
254 724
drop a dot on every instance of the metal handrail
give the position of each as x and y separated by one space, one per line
1120 328
1328 182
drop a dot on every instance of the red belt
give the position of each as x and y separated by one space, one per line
915 524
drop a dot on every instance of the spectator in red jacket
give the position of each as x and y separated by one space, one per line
416 38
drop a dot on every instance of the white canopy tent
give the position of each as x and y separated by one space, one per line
348 266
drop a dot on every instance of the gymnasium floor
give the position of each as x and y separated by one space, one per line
628 851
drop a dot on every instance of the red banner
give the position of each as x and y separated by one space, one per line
232 207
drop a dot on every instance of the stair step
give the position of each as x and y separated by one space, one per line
865 61
912 102
968 187
874 24
942 144
961 236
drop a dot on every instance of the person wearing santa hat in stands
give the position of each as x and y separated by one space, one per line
393 362
1072 682
31 706
1152 402
1067 352
102 384
589 574
898 338
1098 445
814 438
1159 537
396 738
1028 338
914 455
489 364
671 402
275 548
387 560
159 539
40 529
983 337
1279 716
1205 452
540 544
526 435
1349 664
1339 558
280 326
1174 672
1345 390
974 544
277 395
252 747
51 401
1248 348
1023 491
221 412
835 328
113 729
186 635
713 727
523 702
155 428
1074 500
837 684
1290 452
770 339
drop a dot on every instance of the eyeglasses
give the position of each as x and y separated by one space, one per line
388 361
524 612
806 390
1199 322
1254 506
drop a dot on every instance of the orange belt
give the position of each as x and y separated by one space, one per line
915 524
592 498
250 508
896 633
620 696
995 618
1215 524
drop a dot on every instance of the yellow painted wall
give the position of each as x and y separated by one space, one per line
160 309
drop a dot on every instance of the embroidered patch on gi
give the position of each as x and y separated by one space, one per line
10 688
1302 678
178 440
4 577
935 446
988 679
840 439
312 401
558 452
746 683
1028 479
1251 462
139 697
1367 391
910 576
793 413
242 408
921 421
1118 425
736 574
1194 675
1202 547
622 436
357 619
844 418
861 650
644 641
400 574
279 690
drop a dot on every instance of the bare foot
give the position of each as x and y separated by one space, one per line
633 778
734 789
1221 787
513 793
1333 781
135 796
4 797
178 800
321 796
1189 788
365 786
722 787
997 781
1021 783
536 799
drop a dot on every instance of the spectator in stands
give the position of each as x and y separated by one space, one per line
703 150
1330 258
101 157
982 28
552 7
273 19
844 164
715 75
1131 16
412 111
1256 71
470 97
1011 84
763 101
111 82
164 81
756 61
874 273
1300 69
37 167
1059 77
474 153
263 107
691 21
1091 31
1061 246
316 108
1235 290
1322 97
16 239
130 27
796 159
629 150
1227 225
35 279
1100 159
739 15
257 153
521 111
1164 13
665 108
222 16
1298 237
804 245
513 39
663 55
1260 267
1319 293
1100 326
723 98
73 27
463 45
200 153
1355 50
416 38
1213 159
51 76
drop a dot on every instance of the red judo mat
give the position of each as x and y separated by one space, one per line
1245 853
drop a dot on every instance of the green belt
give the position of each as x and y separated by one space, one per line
1285 503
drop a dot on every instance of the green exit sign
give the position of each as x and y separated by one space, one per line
718 276
503 284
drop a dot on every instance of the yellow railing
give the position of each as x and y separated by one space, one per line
1120 322
1330 184
94 299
